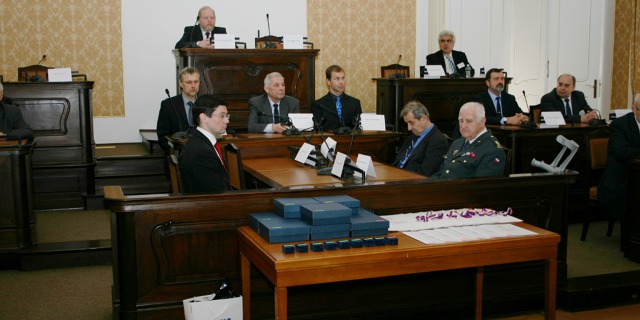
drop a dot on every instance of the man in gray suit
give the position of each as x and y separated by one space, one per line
269 112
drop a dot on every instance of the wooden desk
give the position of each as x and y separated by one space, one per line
409 257
238 74
442 97
284 172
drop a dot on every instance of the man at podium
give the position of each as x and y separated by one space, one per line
12 125
201 34
453 62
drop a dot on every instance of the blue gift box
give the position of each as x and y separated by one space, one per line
276 229
330 231
322 214
366 224
254 220
290 207
344 200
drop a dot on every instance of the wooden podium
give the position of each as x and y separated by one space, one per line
238 74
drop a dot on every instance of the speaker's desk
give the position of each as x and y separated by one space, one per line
284 172
408 257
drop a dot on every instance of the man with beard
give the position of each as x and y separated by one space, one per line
477 153
500 108
200 35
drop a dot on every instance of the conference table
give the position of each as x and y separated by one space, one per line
279 172
408 257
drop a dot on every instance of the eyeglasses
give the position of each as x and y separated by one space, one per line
222 116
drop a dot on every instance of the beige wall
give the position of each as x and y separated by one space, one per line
625 73
70 33
361 36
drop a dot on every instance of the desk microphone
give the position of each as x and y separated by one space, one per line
284 121
598 121
182 134
398 75
269 44
343 129
527 124
36 77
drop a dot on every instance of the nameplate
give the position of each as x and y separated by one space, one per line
372 121
338 165
302 121
304 153
435 70
553 118
292 41
328 148
365 163
224 41
59 75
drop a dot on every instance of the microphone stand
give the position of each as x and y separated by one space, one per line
356 126
342 130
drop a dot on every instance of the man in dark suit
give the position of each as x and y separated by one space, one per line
12 125
175 113
500 107
477 153
624 145
566 99
336 110
453 62
269 112
421 152
200 35
201 162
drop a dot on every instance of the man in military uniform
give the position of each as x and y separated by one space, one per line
477 153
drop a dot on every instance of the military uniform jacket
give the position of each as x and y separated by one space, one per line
485 157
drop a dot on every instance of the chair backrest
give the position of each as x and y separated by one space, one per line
25 73
269 42
395 71
598 152
174 173
234 166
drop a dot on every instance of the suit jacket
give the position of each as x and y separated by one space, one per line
351 110
261 103
426 157
485 157
507 102
552 102
624 145
12 124
193 34
458 57
200 167
171 120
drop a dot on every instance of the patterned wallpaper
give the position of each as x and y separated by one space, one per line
626 42
361 36
66 31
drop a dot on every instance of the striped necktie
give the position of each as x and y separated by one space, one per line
452 65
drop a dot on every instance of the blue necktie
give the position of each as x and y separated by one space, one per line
498 106
339 108
408 153
189 113
451 64
567 107
276 113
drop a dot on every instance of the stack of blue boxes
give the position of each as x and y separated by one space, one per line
303 219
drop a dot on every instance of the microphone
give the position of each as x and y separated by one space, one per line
350 168
195 45
527 124
342 130
269 44
36 77
356 124
284 121
398 75
598 121
182 134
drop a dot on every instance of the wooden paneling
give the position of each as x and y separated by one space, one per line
237 75
60 115
169 248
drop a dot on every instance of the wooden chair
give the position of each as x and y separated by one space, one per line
534 114
598 143
507 160
395 71
233 160
269 42
25 74
174 173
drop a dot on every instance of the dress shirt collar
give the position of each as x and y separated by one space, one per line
476 137
209 135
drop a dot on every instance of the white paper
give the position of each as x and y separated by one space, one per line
373 122
302 121
435 70
426 239
304 153
224 41
621 112
292 41
553 118
508 230
365 163
59 75
328 148
338 164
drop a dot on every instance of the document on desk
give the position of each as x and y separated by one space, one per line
469 233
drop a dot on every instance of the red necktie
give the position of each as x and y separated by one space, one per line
207 34
217 146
